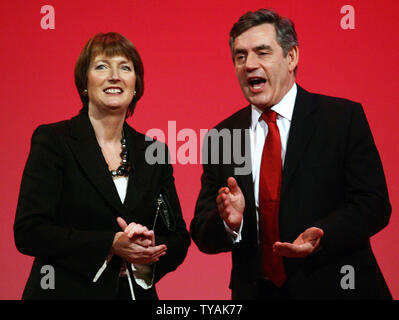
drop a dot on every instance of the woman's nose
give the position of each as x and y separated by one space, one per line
114 74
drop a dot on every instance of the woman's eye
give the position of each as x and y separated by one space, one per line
100 67
126 68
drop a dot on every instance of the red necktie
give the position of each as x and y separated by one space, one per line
269 200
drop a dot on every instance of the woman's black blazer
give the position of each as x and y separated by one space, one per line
68 205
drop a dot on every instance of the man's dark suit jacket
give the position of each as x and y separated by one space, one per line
68 205
332 179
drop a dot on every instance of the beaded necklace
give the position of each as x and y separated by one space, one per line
124 169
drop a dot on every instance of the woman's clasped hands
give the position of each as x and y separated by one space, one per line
136 244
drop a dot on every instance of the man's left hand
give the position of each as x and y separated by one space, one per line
307 243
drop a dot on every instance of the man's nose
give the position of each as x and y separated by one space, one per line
252 62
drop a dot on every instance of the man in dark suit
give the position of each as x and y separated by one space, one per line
299 223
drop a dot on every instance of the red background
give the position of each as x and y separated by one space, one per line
189 79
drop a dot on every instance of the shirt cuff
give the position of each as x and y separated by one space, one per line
143 274
100 271
235 235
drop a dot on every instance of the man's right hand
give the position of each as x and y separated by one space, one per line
231 204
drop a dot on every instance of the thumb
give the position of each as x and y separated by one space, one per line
233 185
122 223
313 234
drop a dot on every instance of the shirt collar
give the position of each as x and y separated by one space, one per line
284 108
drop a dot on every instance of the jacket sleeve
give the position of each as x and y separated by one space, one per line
37 230
178 241
366 209
207 228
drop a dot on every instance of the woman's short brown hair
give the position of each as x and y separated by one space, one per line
110 44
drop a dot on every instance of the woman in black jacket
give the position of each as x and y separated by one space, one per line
101 220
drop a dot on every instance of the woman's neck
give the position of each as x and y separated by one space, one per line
108 128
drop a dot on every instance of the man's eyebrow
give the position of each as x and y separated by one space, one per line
263 47
257 48
238 51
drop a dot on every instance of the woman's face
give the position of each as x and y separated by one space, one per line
110 84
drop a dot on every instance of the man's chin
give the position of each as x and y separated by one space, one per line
261 104
260 99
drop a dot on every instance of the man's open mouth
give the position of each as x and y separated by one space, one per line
256 83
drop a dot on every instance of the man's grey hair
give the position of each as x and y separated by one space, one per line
285 28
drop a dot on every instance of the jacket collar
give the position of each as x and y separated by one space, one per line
303 125
88 153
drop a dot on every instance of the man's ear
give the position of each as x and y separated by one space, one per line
293 58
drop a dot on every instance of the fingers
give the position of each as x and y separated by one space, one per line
229 194
142 241
130 228
223 190
222 202
147 255
224 206
134 229
145 239
291 250
152 236
313 234
134 252
137 233
230 203
122 223
232 186
306 243
157 251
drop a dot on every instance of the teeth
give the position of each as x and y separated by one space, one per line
256 82
113 90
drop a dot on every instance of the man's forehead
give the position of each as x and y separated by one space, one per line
261 35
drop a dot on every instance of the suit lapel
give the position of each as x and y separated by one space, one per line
303 125
246 181
242 123
137 179
88 153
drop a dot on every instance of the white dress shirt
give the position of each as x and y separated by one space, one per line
258 132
